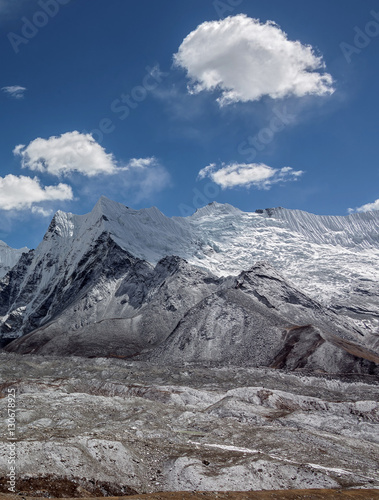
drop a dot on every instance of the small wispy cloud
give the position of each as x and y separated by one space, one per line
368 207
141 163
145 176
15 91
246 175
42 211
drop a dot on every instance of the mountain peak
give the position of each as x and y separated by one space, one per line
4 245
215 208
9 257
104 206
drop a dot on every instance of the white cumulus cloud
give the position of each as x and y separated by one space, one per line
248 174
76 152
69 152
247 59
15 91
21 192
368 207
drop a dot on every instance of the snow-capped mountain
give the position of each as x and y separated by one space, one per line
104 283
9 257
333 259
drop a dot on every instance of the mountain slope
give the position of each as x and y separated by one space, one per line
124 311
103 284
353 231
176 313
9 257
333 259
258 319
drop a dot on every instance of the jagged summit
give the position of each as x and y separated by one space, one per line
350 231
4 246
214 209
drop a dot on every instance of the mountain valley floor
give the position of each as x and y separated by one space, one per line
112 427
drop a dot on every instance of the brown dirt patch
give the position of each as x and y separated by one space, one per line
53 487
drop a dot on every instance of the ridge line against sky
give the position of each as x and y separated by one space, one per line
246 104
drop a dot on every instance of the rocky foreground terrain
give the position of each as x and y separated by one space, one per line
336 494
95 427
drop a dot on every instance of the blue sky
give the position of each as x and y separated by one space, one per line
180 103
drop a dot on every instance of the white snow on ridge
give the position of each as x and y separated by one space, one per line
322 255
352 231
146 233
9 257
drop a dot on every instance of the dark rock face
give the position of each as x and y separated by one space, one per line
116 305
10 285
31 300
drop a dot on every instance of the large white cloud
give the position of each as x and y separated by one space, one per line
247 59
248 174
368 207
21 192
69 152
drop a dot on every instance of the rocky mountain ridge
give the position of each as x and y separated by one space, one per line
9 257
123 282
